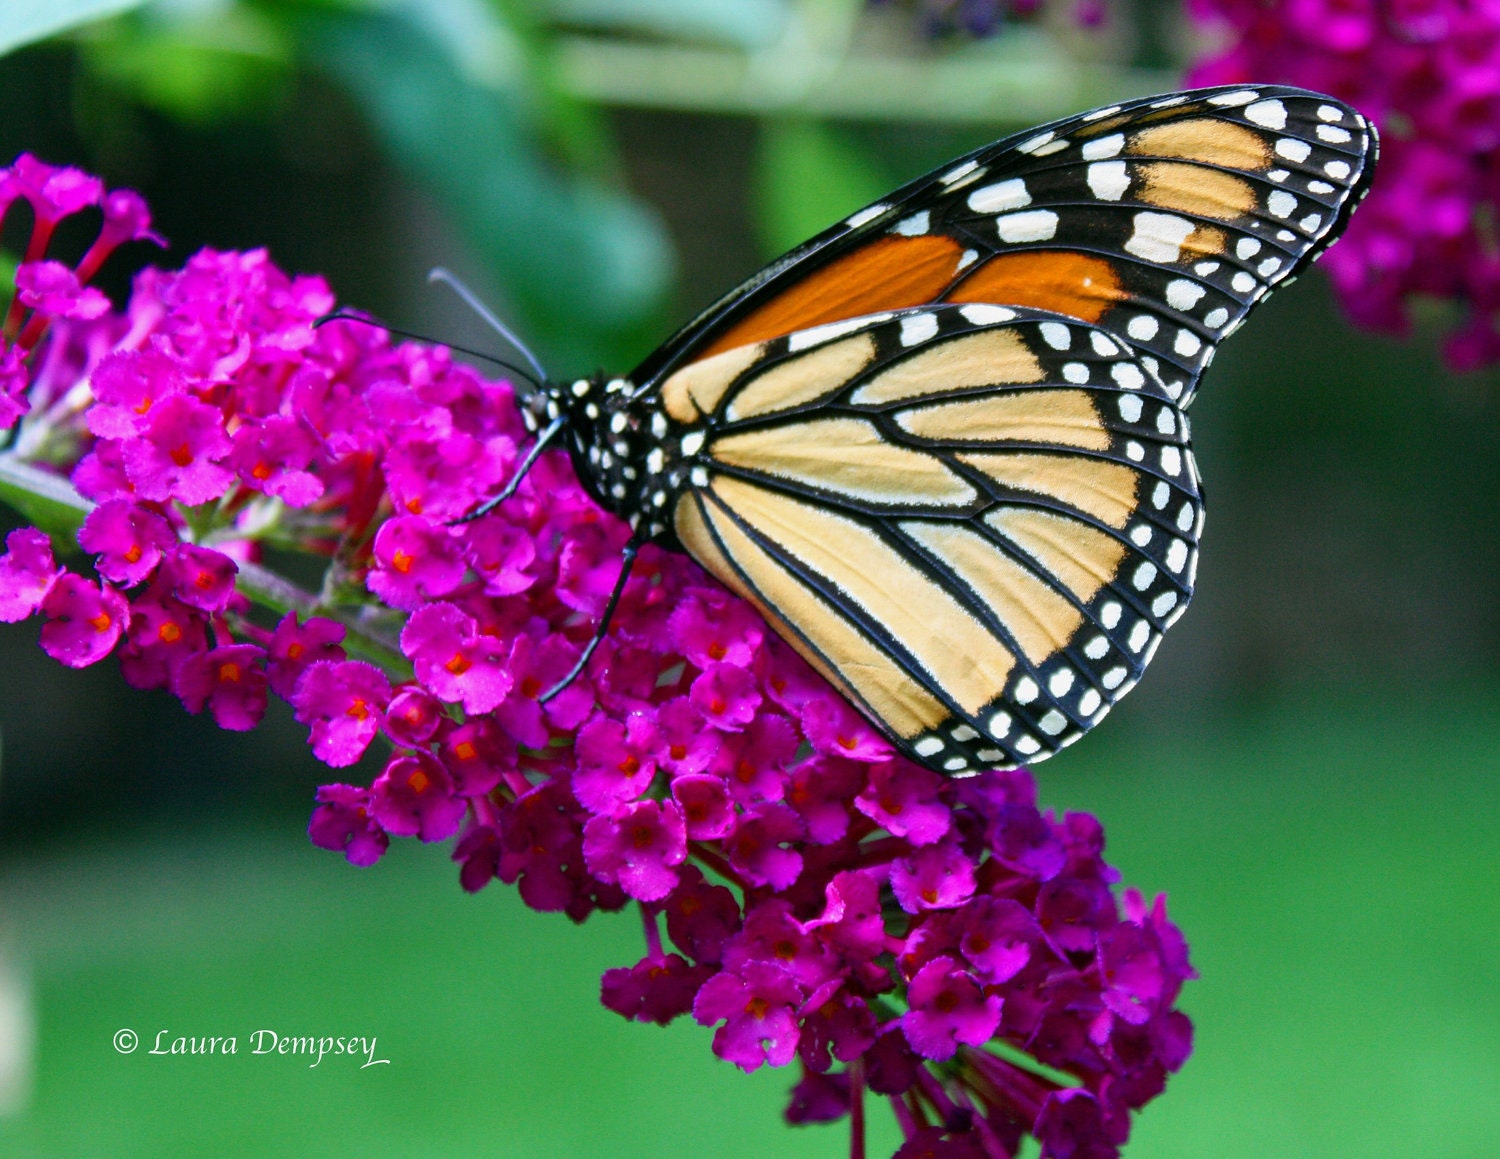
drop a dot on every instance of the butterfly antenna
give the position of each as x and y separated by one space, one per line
347 316
439 274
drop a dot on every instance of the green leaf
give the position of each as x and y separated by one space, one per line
193 67
807 178
580 260
47 500
24 22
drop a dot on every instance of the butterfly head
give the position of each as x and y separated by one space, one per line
627 453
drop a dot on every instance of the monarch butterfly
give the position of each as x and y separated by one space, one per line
942 446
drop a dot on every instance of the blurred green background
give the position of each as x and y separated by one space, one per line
1309 771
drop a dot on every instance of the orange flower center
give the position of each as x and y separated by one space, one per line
459 664
418 781
169 633
229 673
402 561
182 455
133 553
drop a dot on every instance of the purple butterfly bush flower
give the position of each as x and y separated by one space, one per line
1428 74
811 895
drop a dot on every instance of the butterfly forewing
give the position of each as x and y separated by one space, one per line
1163 221
976 520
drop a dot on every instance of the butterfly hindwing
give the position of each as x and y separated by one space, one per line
1162 221
976 520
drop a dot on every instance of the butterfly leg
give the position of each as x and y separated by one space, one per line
549 432
627 559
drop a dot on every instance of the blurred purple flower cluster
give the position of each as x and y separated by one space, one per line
1428 73
977 18
942 943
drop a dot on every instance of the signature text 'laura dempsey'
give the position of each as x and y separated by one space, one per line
270 1042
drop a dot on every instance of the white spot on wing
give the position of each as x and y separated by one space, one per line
1102 344
927 746
1108 180
1246 248
913 226
1158 237
1293 149
917 328
1033 225
1128 375
1267 114
999 197
817 335
868 214
1032 144
1338 170
1100 114
1056 335
982 314
1230 100
1183 294
1281 203
1026 690
1103 147
1330 113
1333 134
1187 343
1075 372
958 172
1142 327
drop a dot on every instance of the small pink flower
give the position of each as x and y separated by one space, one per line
84 621
414 797
344 703
27 573
638 847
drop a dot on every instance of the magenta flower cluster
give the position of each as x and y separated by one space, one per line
1427 72
805 891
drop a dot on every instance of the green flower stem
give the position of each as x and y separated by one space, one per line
55 506
1021 78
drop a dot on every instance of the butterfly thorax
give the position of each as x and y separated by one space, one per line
628 454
